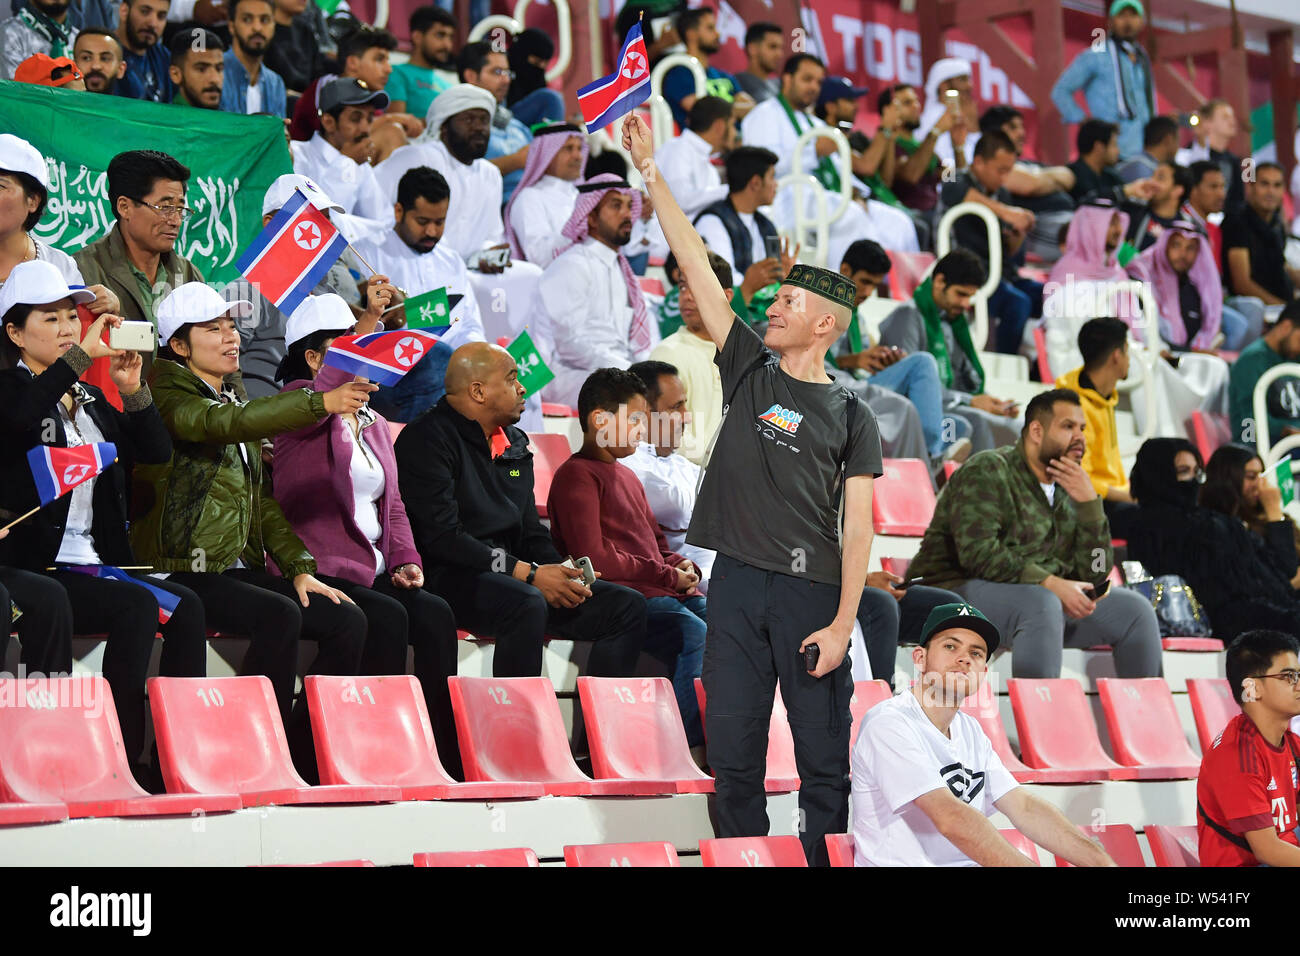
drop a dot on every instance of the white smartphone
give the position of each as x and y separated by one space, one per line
583 565
132 336
950 97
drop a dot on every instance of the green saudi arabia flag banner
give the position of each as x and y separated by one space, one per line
533 373
428 310
1285 480
232 159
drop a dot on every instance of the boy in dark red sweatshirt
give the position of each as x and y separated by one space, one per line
598 510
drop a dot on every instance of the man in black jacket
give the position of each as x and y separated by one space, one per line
467 482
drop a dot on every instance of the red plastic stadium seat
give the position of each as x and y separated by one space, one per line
897 566
15 814
866 694
550 451
224 733
60 742
782 772
1212 707
635 732
518 856
650 284
1210 430
839 847
1021 843
1174 846
983 706
1196 644
558 410
375 731
510 730
1145 731
753 851
395 429
621 854
1119 840
903 500
1040 346
1056 730
907 271
950 469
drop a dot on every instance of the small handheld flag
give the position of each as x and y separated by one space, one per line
382 357
292 254
57 471
429 310
1285 480
609 98
533 373
167 601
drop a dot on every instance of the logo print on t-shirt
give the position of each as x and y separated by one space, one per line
786 419
964 784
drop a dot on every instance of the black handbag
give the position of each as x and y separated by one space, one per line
1177 610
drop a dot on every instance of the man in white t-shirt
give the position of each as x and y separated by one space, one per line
925 777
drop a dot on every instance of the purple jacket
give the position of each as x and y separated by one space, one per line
313 484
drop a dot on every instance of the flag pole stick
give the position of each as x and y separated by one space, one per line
16 520
373 270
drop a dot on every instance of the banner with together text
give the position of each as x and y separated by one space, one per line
232 161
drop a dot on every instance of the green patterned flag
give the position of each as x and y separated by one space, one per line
429 310
329 6
233 159
1285 480
533 373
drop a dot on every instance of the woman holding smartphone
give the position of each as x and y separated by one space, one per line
336 481
211 524
43 403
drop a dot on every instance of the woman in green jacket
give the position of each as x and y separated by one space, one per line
211 524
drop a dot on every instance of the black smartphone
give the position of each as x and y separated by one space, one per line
810 654
908 582
1099 589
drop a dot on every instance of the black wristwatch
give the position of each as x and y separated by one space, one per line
532 573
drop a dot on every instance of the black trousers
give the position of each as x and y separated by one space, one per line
45 629
757 620
396 617
266 610
128 616
517 618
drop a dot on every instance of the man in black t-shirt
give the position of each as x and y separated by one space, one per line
791 446
1254 241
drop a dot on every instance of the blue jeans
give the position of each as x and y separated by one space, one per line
1243 321
544 105
675 632
1012 304
916 377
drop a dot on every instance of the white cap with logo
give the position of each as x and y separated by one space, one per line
39 283
194 303
281 191
318 313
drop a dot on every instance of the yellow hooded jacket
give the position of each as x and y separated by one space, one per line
1101 460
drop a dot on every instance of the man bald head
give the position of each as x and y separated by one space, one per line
483 385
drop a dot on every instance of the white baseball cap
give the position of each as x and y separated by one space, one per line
318 313
281 192
19 156
38 283
193 303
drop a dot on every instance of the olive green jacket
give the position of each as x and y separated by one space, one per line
207 507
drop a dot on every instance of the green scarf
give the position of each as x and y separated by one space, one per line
826 173
935 342
56 34
911 145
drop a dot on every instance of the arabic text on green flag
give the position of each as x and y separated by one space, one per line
533 373
233 159
428 310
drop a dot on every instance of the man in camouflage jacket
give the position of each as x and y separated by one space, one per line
1020 533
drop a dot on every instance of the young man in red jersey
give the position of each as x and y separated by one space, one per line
1246 794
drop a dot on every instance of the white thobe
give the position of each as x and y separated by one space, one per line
417 273
684 164
585 315
539 212
352 185
670 482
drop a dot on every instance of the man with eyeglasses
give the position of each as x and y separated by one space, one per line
508 139
137 259
1246 791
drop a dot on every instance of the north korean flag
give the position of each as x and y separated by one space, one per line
167 602
612 97
57 471
382 357
292 254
